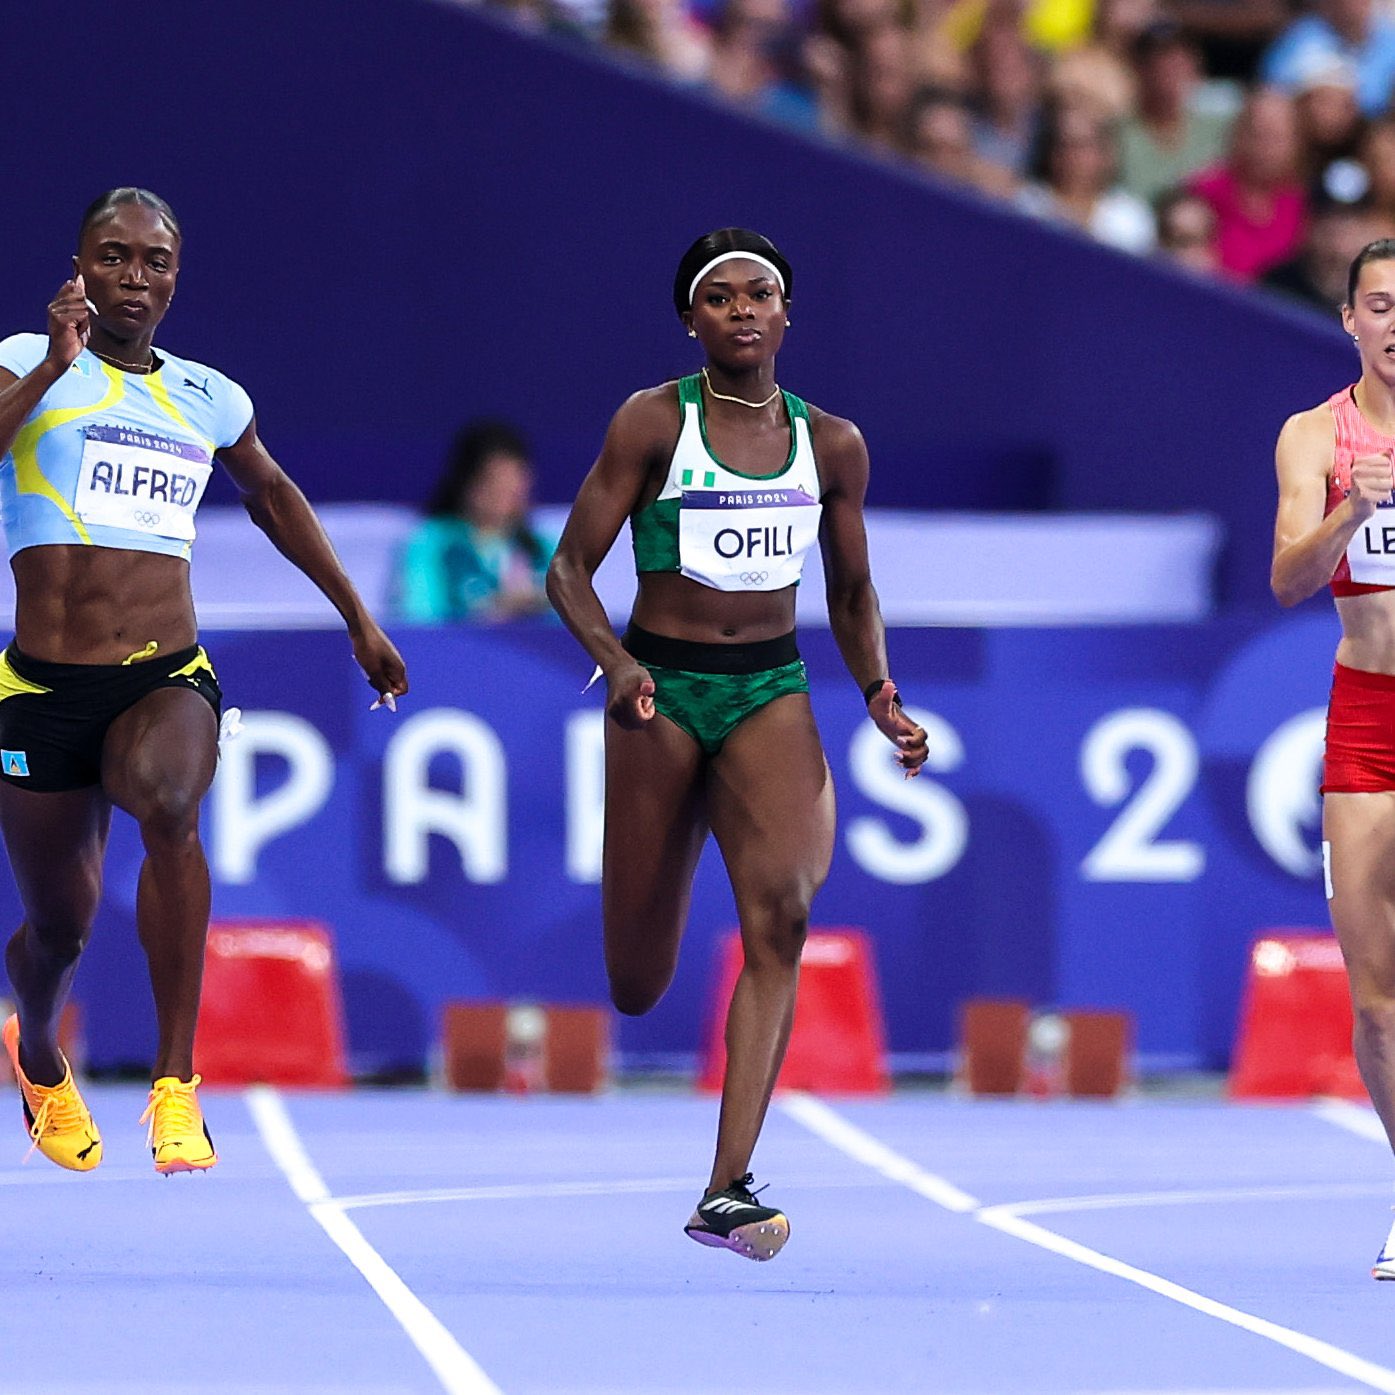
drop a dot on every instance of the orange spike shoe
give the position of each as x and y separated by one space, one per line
59 1123
178 1138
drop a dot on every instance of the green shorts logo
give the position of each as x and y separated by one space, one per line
14 762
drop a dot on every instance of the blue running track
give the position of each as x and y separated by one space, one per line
404 1241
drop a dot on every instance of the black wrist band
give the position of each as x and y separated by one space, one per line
874 687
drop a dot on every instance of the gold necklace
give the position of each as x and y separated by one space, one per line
129 367
740 401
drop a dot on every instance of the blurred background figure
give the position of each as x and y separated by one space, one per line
1187 231
1317 277
1232 34
882 84
1174 132
1008 91
941 140
1330 124
476 556
1351 31
1100 71
662 33
754 49
1074 181
1376 156
1256 192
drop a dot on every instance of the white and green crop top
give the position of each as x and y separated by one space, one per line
721 528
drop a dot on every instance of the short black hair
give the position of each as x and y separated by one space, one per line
474 445
1381 250
714 244
104 205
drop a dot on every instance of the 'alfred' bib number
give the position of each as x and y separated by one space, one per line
136 480
746 540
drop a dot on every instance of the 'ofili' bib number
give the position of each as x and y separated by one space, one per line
136 480
746 540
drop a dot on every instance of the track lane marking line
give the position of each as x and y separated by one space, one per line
544 1191
848 1138
454 1367
1112 1201
1354 1118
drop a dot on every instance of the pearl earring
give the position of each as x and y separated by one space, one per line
692 334
787 324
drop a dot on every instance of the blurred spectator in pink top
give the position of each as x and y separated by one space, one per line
1256 193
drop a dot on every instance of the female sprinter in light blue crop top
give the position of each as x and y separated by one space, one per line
106 697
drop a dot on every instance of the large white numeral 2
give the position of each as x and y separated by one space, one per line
1130 850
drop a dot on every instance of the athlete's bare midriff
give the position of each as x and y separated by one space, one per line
1368 632
672 605
100 605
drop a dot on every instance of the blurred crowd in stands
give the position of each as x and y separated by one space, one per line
1243 139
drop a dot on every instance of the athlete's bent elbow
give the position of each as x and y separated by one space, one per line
555 583
1287 591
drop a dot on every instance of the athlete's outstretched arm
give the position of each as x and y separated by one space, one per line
1307 546
67 333
853 611
606 498
283 513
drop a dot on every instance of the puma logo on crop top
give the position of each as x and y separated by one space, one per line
113 459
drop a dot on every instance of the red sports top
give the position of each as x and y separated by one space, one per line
1372 551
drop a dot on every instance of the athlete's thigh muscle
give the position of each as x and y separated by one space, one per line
1360 832
163 751
770 802
56 843
655 826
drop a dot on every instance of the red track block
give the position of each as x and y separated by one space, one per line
272 1011
1098 1045
474 1045
1295 1021
838 1042
576 1050
993 1045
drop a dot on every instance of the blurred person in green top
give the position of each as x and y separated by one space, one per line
475 556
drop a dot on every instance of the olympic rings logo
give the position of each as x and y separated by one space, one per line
755 578
147 518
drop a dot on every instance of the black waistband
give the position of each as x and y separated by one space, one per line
48 674
663 652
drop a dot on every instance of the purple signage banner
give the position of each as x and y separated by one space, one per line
1107 818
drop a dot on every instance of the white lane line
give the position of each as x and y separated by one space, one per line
1345 1363
819 1119
455 1368
522 1191
864 1148
1355 1118
1114 1201
543 1191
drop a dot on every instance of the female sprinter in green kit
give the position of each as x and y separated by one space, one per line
727 482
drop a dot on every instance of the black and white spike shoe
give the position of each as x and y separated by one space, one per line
734 1220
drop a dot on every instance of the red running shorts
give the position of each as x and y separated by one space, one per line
1360 756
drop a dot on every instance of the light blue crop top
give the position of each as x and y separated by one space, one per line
113 459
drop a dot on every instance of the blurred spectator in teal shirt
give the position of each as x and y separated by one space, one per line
476 556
